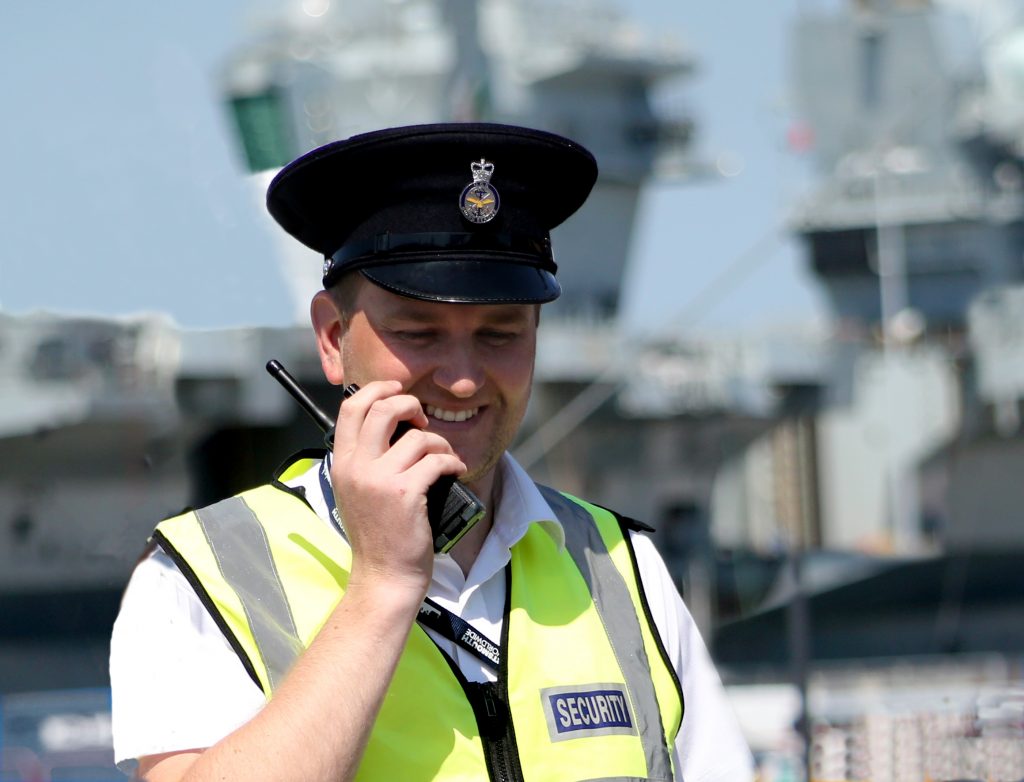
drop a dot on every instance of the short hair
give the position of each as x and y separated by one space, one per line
344 293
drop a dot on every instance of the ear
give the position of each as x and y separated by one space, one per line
328 326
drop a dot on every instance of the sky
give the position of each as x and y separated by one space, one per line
123 189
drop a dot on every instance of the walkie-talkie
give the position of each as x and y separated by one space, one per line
452 509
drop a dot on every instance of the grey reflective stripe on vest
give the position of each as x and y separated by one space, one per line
615 607
239 543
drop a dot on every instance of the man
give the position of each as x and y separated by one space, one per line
307 630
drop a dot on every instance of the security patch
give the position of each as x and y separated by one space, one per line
587 710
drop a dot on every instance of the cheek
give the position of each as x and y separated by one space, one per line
515 375
366 358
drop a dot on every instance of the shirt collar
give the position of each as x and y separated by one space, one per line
522 504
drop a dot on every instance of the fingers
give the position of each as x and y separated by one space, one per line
380 487
368 419
424 472
368 422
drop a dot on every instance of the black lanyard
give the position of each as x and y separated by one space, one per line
328 492
431 615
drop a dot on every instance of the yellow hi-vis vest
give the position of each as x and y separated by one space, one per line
584 689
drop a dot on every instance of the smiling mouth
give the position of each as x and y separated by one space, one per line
441 414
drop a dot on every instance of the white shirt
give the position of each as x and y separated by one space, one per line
177 684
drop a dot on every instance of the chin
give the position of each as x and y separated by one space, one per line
475 474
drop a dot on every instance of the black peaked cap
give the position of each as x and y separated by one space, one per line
393 204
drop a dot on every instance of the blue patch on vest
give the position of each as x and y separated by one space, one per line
580 711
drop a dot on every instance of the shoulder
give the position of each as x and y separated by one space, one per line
627 522
175 681
156 590
568 507
268 503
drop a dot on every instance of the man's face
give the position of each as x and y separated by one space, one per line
471 366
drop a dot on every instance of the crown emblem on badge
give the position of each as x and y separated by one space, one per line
479 201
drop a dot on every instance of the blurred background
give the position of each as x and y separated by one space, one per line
792 337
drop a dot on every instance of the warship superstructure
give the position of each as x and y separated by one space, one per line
908 665
323 72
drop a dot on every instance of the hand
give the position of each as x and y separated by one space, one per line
380 489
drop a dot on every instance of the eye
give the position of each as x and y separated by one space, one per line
498 337
415 335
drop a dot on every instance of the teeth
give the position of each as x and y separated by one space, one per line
451 415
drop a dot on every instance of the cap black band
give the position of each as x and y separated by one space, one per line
389 248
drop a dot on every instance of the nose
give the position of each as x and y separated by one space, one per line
460 373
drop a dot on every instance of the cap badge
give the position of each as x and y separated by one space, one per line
479 201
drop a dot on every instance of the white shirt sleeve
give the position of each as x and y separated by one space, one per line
710 746
176 683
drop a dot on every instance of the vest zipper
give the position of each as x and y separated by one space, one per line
496 733
503 749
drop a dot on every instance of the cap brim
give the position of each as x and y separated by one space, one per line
467 281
